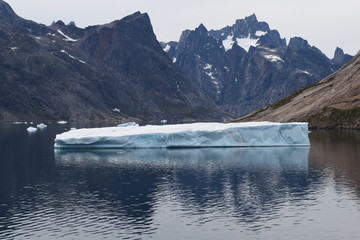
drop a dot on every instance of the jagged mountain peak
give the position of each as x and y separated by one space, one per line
201 29
248 65
251 18
136 16
340 58
338 52
134 28
7 13
58 24
115 71
299 43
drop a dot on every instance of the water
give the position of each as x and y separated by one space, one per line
232 193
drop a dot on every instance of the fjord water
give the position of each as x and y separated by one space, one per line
210 193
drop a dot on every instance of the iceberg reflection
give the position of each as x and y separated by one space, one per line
253 157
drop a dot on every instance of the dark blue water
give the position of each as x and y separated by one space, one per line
231 193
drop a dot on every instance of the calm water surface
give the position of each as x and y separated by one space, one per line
231 193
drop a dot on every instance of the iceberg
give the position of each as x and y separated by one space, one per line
250 134
41 126
31 129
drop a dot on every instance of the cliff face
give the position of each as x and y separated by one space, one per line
114 71
247 66
334 102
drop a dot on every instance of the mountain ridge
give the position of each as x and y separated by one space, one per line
246 66
333 102
116 71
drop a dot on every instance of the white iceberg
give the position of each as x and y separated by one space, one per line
62 122
250 134
41 125
31 129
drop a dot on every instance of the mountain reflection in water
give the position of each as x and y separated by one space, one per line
244 184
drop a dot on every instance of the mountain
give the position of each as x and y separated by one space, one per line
334 102
116 71
247 66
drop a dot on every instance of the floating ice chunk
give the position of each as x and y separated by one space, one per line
248 134
164 121
128 124
62 122
31 129
41 125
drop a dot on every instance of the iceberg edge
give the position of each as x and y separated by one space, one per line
194 135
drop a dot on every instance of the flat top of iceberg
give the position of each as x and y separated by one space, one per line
153 129
189 135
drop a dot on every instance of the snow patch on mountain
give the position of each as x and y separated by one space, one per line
260 33
166 48
228 42
246 43
273 58
71 56
67 38
208 67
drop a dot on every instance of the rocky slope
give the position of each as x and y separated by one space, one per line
334 102
247 66
116 71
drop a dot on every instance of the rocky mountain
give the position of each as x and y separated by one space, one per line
116 71
247 66
334 102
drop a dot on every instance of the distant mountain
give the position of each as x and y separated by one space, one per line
334 102
247 66
116 71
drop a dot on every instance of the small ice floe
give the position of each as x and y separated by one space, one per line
31 129
41 126
164 121
62 122
128 124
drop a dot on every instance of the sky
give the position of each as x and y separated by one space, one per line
326 24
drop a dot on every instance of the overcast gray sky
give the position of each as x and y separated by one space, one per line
326 24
